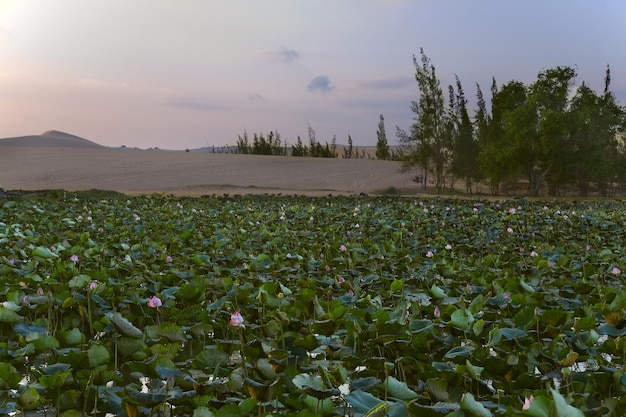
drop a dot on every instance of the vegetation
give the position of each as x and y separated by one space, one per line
382 146
273 145
267 305
551 133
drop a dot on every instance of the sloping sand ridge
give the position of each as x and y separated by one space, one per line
55 160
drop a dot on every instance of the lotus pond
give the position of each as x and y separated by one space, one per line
337 306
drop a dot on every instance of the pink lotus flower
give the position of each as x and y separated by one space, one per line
93 285
616 271
236 319
342 248
341 279
527 402
74 258
429 254
154 302
437 312
168 259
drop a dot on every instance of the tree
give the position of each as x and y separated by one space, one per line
298 149
544 147
382 147
465 154
595 123
243 144
348 153
497 156
425 145
333 147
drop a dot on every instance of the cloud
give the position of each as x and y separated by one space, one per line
255 97
289 55
283 55
389 83
321 83
194 104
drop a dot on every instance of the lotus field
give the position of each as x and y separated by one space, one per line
311 306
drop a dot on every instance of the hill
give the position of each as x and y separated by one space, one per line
50 139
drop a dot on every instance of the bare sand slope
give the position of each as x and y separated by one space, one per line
60 163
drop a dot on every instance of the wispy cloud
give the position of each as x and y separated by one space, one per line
321 83
194 104
389 83
255 97
283 55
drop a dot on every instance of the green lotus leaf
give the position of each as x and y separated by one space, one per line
422 325
474 408
68 400
562 408
55 380
147 399
437 390
398 389
9 376
9 316
123 325
43 253
98 355
459 351
362 401
128 346
379 410
210 358
435 410
71 337
364 383
173 333
202 411
45 343
540 406
461 319
29 399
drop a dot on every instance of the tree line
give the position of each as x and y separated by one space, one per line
273 144
552 133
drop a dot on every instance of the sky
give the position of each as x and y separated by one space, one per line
193 73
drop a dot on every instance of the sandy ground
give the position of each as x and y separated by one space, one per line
55 160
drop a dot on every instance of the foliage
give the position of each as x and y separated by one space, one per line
551 133
466 147
427 139
261 145
382 146
268 305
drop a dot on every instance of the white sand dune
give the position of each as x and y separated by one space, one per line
56 160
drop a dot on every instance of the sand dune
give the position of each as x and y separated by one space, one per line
50 139
57 160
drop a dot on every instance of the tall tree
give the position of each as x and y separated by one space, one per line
348 152
546 149
595 124
425 143
299 149
497 156
382 146
465 155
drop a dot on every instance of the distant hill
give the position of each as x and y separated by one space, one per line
50 139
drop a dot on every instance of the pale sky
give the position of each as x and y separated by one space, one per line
179 74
